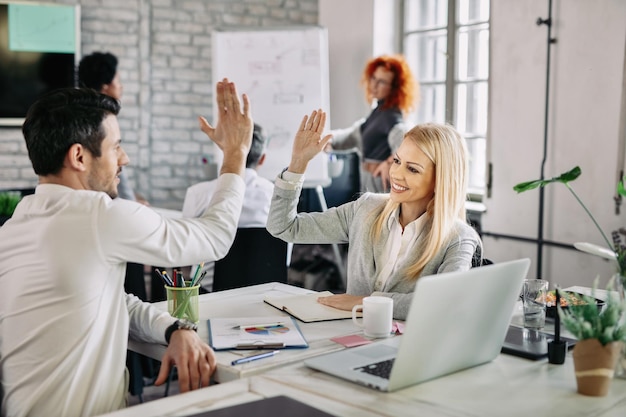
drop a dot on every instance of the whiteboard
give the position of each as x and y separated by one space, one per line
284 72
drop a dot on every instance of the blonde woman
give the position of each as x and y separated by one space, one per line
418 229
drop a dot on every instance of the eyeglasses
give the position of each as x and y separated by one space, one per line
378 82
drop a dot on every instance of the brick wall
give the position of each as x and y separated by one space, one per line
164 49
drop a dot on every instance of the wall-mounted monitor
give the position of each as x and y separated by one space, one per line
39 52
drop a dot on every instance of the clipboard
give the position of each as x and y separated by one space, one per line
269 332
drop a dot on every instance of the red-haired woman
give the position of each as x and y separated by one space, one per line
393 92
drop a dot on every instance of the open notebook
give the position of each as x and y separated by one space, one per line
305 307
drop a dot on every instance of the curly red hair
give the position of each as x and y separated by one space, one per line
404 89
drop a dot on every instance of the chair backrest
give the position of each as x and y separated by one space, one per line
478 260
256 257
347 185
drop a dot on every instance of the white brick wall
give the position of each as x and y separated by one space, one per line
164 49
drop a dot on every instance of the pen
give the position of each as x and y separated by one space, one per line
254 357
201 278
166 279
251 326
164 273
194 280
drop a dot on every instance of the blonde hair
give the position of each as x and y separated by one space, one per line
447 149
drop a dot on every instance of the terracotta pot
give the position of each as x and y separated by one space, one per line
594 365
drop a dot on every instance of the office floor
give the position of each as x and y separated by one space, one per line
312 266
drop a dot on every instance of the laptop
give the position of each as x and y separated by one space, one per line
457 320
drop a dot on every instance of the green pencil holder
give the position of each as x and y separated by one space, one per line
182 303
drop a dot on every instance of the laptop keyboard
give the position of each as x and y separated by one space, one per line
381 369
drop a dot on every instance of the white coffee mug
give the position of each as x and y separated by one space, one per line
377 316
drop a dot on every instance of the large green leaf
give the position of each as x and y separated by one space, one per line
564 178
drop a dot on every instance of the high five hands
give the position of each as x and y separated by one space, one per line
308 141
233 131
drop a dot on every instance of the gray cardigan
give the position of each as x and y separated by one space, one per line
351 223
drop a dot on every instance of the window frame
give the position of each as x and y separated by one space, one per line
453 28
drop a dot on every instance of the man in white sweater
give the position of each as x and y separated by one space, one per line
64 317
256 201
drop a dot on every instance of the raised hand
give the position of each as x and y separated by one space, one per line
233 130
308 141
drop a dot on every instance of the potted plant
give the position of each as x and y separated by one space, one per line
8 202
601 335
616 249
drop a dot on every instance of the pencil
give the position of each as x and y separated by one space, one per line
172 283
195 276
201 278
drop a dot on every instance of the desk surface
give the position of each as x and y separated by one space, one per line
248 302
508 385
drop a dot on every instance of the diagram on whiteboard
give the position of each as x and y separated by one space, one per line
285 74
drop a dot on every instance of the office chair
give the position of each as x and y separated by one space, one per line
346 185
478 260
256 257
139 366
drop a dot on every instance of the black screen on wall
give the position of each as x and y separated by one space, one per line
26 75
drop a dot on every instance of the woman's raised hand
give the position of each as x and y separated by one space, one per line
308 141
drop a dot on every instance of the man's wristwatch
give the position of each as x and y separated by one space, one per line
179 325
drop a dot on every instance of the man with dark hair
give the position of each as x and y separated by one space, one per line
256 156
66 319
259 190
98 71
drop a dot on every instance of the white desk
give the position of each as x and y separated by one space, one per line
507 386
248 302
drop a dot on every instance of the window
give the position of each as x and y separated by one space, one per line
447 45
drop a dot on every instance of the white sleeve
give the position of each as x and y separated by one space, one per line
189 203
133 232
147 323
396 135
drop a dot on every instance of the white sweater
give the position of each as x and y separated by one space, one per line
64 317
